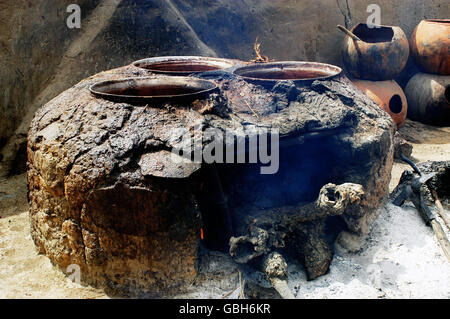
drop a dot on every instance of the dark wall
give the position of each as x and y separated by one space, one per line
36 45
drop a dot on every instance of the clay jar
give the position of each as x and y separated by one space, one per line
430 46
381 54
429 98
388 95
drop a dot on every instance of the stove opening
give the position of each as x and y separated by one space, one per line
236 191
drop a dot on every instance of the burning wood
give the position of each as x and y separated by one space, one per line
259 58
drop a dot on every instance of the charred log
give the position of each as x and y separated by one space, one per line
297 228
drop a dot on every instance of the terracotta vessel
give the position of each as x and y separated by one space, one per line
388 95
380 54
429 98
430 46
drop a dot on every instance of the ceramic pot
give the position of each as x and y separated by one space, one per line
429 98
381 54
388 95
430 46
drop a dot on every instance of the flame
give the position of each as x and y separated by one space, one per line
259 58
201 234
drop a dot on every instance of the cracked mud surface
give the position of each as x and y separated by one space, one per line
401 258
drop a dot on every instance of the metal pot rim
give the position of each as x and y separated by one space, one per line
204 87
218 63
332 70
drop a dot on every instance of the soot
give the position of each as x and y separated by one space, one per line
237 189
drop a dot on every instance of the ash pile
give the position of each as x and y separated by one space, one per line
428 188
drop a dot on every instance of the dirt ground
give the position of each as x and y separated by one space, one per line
429 144
401 258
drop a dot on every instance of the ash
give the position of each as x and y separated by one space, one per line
399 259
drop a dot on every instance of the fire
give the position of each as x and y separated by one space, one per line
259 58
201 234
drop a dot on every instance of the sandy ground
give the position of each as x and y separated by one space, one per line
400 259
24 273
429 144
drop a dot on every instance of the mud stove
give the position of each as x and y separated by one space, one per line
115 185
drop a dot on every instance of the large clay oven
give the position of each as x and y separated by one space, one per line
111 192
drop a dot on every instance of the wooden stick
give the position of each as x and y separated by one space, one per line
241 286
229 293
441 210
254 113
282 288
441 237
349 33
